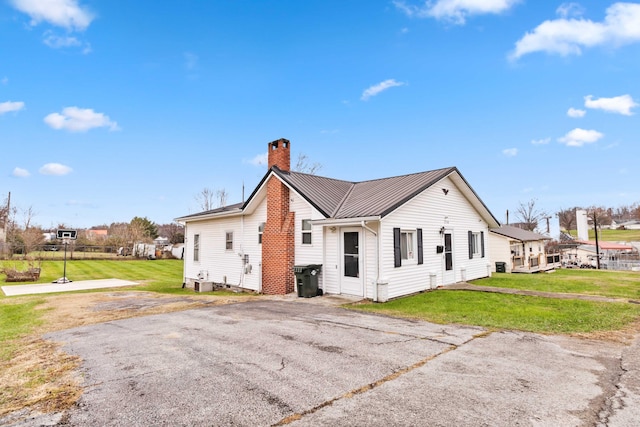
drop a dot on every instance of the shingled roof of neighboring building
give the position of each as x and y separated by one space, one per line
519 234
213 212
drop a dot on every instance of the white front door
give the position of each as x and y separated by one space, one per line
351 269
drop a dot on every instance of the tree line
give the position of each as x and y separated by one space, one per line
532 218
19 233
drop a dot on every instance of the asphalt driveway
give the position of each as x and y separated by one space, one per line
265 363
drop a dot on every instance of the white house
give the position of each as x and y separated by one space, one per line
402 234
520 250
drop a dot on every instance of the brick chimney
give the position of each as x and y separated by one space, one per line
278 238
279 154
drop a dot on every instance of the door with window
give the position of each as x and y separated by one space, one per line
448 273
351 277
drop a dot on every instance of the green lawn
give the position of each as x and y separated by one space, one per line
615 284
501 311
535 314
162 275
612 235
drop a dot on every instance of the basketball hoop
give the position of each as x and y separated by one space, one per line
66 236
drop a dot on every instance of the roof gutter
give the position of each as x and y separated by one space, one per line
185 219
343 222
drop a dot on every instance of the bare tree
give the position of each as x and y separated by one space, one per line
530 215
205 199
303 165
222 196
567 218
173 231
209 199
603 215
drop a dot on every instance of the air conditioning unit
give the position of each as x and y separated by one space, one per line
203 286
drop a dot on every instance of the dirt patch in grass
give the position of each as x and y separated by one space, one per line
624 336
36 374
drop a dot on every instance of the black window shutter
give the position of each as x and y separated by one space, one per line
482 243
470 245
420 251
397 256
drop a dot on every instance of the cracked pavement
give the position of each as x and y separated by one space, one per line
264 363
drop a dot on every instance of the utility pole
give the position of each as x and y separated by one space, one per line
595 230
6 217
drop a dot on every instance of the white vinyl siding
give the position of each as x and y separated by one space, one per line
306 253
219 264
431 210
331 265
500 251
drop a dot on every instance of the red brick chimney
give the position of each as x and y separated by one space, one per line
279 154
278 238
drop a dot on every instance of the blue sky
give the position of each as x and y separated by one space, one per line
113 109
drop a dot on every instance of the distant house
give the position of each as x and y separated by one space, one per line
586 253
161 241
627 225
402 234
49 236
97 234
520 251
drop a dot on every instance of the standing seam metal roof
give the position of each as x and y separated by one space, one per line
344 199
340 199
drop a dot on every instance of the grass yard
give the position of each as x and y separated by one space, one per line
162 275
612 235
514 312
527 313
616 284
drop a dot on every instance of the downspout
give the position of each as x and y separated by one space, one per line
324 257
375 285
184 251
242 251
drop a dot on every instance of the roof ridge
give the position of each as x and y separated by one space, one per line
320 176
404 175
344 199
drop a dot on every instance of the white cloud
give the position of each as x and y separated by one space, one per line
55 169
510 152
575 113
20 173
563 36
566 10
76 119
579 137
8 106
259 160
61 13
542 141
380 87
455 11
618 104
58 42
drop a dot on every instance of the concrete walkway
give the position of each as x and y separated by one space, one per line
469 287
82 285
